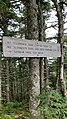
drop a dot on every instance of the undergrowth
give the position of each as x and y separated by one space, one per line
11 110
52 105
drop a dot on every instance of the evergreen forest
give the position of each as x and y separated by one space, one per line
34 87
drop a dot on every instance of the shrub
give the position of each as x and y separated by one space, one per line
53 105
5 116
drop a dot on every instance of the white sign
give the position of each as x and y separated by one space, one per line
13 47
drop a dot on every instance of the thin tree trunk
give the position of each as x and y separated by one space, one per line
45 73
7 80
41 74
0 68
59 10
0 79
61 37
57 73
40 31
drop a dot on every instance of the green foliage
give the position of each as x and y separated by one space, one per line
53 105
45 5
11 109
5 116
7 14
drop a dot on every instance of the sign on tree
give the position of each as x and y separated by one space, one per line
13 47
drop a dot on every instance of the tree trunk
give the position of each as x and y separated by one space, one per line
35 86
45 73
59 10
7 81
40 37
0 68
34 62
61 41
0 77
41 74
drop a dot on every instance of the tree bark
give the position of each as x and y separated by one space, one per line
33 62
0 75
40 37
7 81
0 69
59 10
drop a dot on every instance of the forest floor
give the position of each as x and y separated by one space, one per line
13 111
